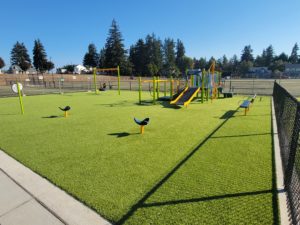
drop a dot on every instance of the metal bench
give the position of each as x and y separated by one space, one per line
246 103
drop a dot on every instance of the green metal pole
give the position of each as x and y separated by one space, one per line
95 82
157 87
119 92
20 98
218 75
165 88
207 85
202 86
154 90
140 90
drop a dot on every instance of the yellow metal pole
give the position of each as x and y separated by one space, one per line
142 129
154 90
20 98
95 82
157 87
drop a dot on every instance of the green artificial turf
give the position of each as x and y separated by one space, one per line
192 166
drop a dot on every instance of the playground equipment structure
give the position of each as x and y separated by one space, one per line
117 69
155 90
208 83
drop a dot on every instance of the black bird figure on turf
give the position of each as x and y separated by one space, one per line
66 109
142 123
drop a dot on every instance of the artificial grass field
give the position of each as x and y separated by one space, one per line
201 165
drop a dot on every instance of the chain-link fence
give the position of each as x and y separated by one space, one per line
287 110
57 83
47 84
260 86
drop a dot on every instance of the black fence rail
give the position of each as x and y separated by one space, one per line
287 110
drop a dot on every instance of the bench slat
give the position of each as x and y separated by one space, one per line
245 104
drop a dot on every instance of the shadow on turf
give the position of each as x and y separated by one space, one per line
170 106
228 114
242 135
203 199
51 117
118 104
121 134
141 203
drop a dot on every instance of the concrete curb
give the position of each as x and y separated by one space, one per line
59 203
282 198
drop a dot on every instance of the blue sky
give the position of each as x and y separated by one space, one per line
207 28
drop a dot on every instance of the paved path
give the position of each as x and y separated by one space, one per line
26 198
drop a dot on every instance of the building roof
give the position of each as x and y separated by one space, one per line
292 66
16 67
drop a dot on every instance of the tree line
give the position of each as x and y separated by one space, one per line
20 57
151 56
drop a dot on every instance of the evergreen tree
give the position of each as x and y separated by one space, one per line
234 63
247 54
209 63
244 67
283 57
137 57
277 65
187 63
269 56
261 60
2 63
294 58
154 55
180 56
115 54
91 58
225 64
20 57
169 57
202 63
39 56
101 59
